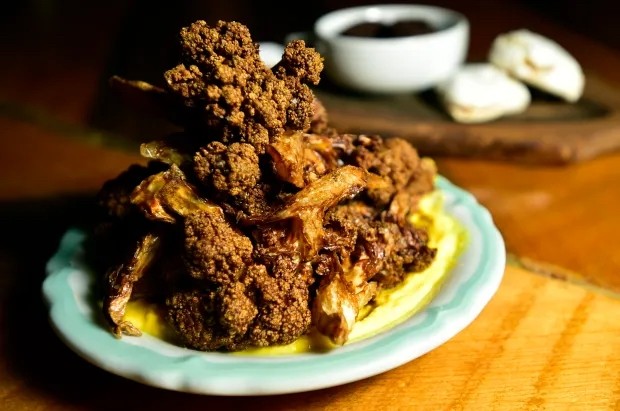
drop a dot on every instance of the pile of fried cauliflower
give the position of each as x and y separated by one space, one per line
257 222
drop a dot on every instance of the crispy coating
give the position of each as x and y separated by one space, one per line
231 92
259 311
233 175
229 169
356 230
214 250
398 163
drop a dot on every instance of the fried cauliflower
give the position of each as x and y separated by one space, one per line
258 222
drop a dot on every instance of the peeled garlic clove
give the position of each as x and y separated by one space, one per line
539 62
480 92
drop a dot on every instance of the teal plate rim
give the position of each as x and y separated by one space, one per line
471 284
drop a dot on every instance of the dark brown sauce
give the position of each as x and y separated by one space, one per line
401 28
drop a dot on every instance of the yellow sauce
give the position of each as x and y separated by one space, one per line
390 308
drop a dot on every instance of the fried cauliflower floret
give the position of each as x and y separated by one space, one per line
299 62
195 315
259 310
214 250
233 175
283 305
300 65
392 249
408 176
231 92
259 222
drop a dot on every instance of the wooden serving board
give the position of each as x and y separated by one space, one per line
550 131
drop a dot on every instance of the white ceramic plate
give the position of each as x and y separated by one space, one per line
471 284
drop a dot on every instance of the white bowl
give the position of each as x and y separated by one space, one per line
396 64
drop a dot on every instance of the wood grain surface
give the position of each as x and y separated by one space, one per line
564 216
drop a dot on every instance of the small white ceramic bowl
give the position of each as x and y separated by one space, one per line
397 64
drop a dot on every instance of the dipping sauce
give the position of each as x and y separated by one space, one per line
400 28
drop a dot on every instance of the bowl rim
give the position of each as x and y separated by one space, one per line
330 25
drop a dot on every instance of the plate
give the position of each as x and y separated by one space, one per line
471 284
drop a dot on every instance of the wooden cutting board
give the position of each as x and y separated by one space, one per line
550 131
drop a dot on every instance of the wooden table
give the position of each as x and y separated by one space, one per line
549 339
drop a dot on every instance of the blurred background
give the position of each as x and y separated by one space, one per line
47 44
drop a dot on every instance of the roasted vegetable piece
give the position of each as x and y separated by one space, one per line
120 282
301 158
163 196
369 251
307 207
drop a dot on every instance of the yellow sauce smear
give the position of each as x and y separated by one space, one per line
390 307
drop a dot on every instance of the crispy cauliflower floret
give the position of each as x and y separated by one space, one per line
231 92
232 174
282 299
260 310
299 62
195 315
213 249
229 169
300 65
